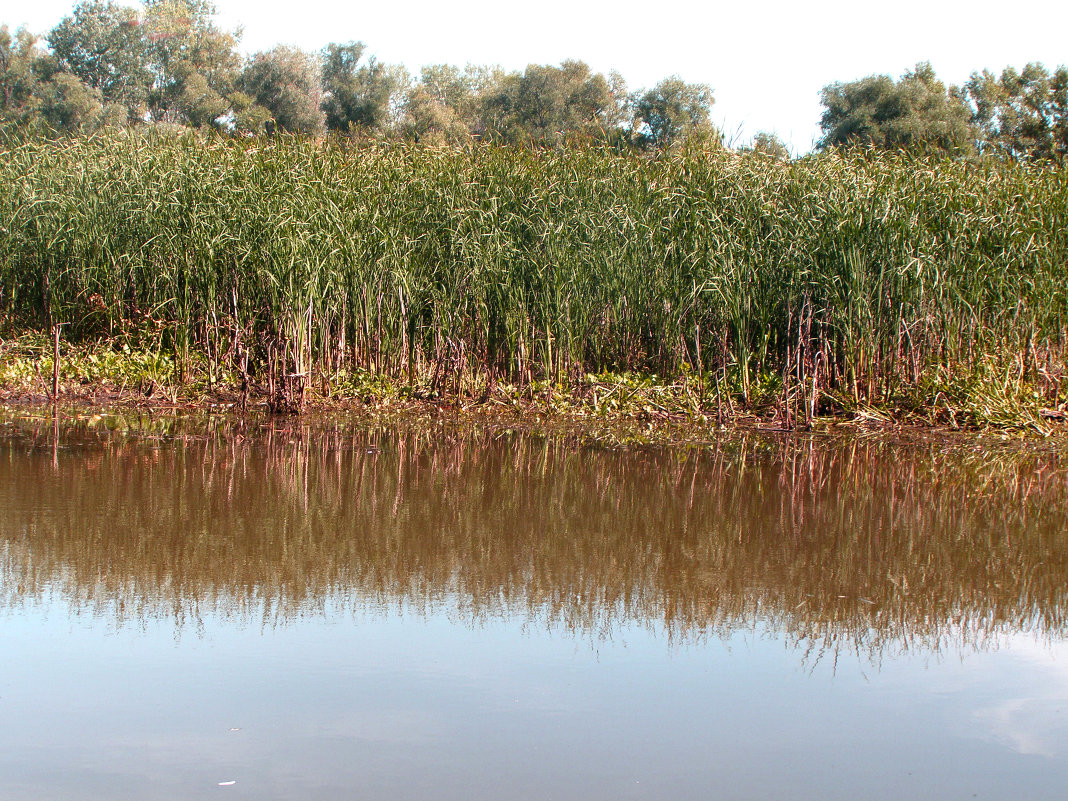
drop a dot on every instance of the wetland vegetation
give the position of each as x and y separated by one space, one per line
288 268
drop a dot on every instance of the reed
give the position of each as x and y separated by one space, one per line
825 283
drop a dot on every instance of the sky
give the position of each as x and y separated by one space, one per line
765 61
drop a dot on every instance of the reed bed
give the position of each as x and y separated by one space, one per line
824 283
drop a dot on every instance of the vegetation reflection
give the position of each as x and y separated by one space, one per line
860 543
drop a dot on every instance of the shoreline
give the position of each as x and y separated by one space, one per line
610 410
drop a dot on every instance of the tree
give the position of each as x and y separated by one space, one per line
20 61
445 105
285 82
1021 114
1059 105
549 105
102 43
37 94
163 64
247 116
769 144
672 110
359 95
200 105
68 105
459 89
432 122
194 63
916 113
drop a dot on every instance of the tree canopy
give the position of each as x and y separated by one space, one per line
285 82
1021 114
671 110
916 112
103 44
359 94
168 62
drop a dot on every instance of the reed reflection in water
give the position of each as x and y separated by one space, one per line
318 611
832 543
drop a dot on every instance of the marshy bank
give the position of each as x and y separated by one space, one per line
700 285
105 378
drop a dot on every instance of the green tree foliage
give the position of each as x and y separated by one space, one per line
916 112
429 121
1021 114
285 81
359 94
459 89
247 116
36 94
445 106
68 105
671 110
769 144
170 63
199 104
548 105
195 64
103 44
20 60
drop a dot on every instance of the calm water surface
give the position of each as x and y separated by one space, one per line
211 610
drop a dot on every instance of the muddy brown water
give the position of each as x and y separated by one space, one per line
209 609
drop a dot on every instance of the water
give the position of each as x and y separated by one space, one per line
317 611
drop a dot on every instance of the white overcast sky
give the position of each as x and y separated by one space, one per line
765 61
